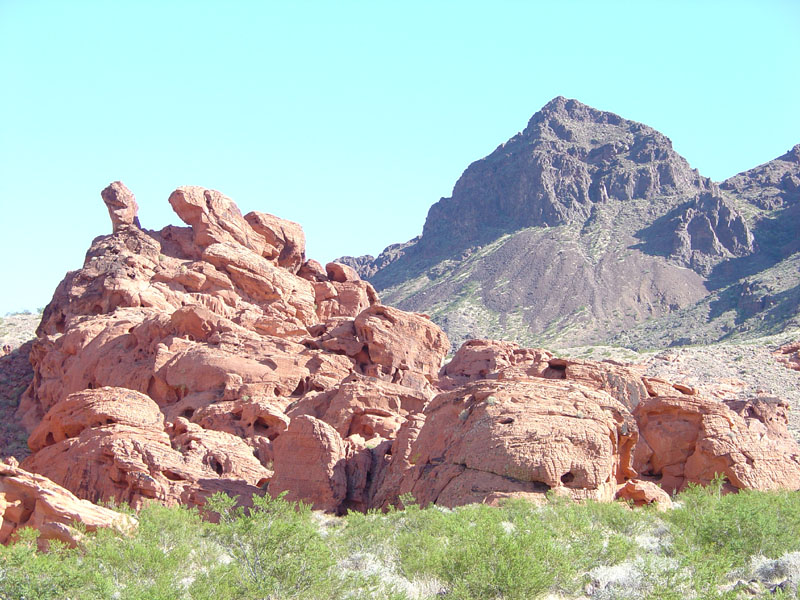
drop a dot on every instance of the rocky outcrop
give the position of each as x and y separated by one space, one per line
569 157
121 204
789 355
707 230
515 436
182 362
491 359
775 184
113 443
29 500
16 375
164 368
285 236
691 439
581 227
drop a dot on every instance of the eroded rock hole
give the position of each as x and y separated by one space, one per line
567 477
215 464
188 413
302 387
506 421
555 371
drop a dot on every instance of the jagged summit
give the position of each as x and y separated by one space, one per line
569 158
772 185
595 219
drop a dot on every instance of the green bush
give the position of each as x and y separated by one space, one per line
280 550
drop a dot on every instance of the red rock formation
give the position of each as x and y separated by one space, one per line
113 443
789 355
310 464
514 436
490 359
644 492
285 236
29 500
163 368
362 406
122 207
215 357
691 439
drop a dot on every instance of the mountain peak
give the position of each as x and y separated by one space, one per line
568 109
792 155
570 158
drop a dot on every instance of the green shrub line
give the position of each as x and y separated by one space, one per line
278 549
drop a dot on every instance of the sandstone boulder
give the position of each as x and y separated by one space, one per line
95 408
214 218
310 464
341 273
642 492
402 347
492 359
692 439
487 359
30 500
362 406
623 382
285 236
122 207
515 436
134 464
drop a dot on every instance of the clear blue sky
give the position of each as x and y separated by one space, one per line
351 118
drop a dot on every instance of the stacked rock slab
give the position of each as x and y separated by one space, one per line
28 500
216 357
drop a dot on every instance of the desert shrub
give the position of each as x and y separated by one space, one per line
277 551
30 574
281 550
515 551
158 562
715 533
476 553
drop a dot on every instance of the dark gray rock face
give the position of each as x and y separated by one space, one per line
580 226
569 158
366 266
710 229
775 184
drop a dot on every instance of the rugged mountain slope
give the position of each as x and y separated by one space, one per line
757 294
586 225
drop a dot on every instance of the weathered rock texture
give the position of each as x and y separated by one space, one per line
121 204
168 367
15 376
28 500
516 436
789 356
182 362
690 439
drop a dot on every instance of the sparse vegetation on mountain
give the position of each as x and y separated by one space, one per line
608 235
